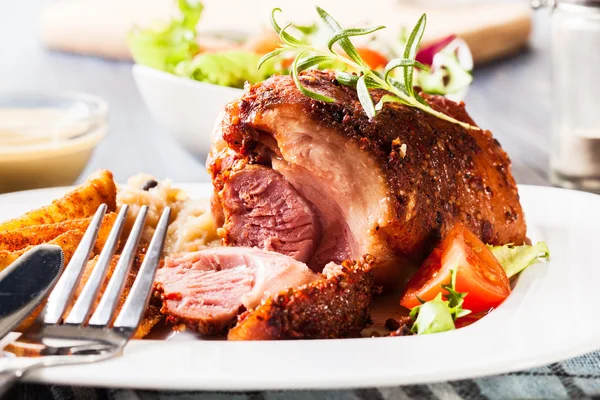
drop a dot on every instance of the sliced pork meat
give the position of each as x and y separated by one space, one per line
263 209
336 306
321 182
207 289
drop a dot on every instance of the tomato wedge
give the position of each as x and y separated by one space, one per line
373 58
478 273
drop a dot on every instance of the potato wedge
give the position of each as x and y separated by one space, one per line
151 318
68 241
152 315
80 203
34 235
107 224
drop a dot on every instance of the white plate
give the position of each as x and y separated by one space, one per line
552 314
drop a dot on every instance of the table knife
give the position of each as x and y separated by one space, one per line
26 282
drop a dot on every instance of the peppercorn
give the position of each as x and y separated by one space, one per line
149 185
392 324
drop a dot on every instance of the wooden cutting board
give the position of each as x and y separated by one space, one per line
99 27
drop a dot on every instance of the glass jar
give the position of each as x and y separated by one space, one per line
575 154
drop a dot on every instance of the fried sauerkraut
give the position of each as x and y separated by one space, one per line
191 227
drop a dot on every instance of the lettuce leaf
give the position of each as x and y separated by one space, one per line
164 46
450 64
450 78
439 314
232 68
515 259
432 317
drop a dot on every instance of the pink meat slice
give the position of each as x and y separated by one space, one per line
264 210
208 288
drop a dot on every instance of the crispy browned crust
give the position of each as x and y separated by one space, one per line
336 307
80 203
452 173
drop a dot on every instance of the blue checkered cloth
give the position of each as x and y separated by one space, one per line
577 378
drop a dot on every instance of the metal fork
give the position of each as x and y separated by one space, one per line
74 339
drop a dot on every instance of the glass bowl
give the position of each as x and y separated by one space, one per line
47 140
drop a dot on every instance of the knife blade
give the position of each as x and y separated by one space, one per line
25 283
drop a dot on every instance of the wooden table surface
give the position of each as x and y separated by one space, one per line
510 97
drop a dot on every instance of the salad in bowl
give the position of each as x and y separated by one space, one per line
186 80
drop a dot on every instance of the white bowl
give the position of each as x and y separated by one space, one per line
187 109
47 139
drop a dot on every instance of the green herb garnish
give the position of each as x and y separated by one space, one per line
308 56
439 314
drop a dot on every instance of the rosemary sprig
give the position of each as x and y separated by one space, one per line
308 56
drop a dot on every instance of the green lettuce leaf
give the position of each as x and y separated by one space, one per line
232 68
449 75
515 259
451 78
439 314
164 46
432 317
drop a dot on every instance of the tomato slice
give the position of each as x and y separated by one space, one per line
478 273
373 58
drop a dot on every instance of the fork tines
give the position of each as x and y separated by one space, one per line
135 304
